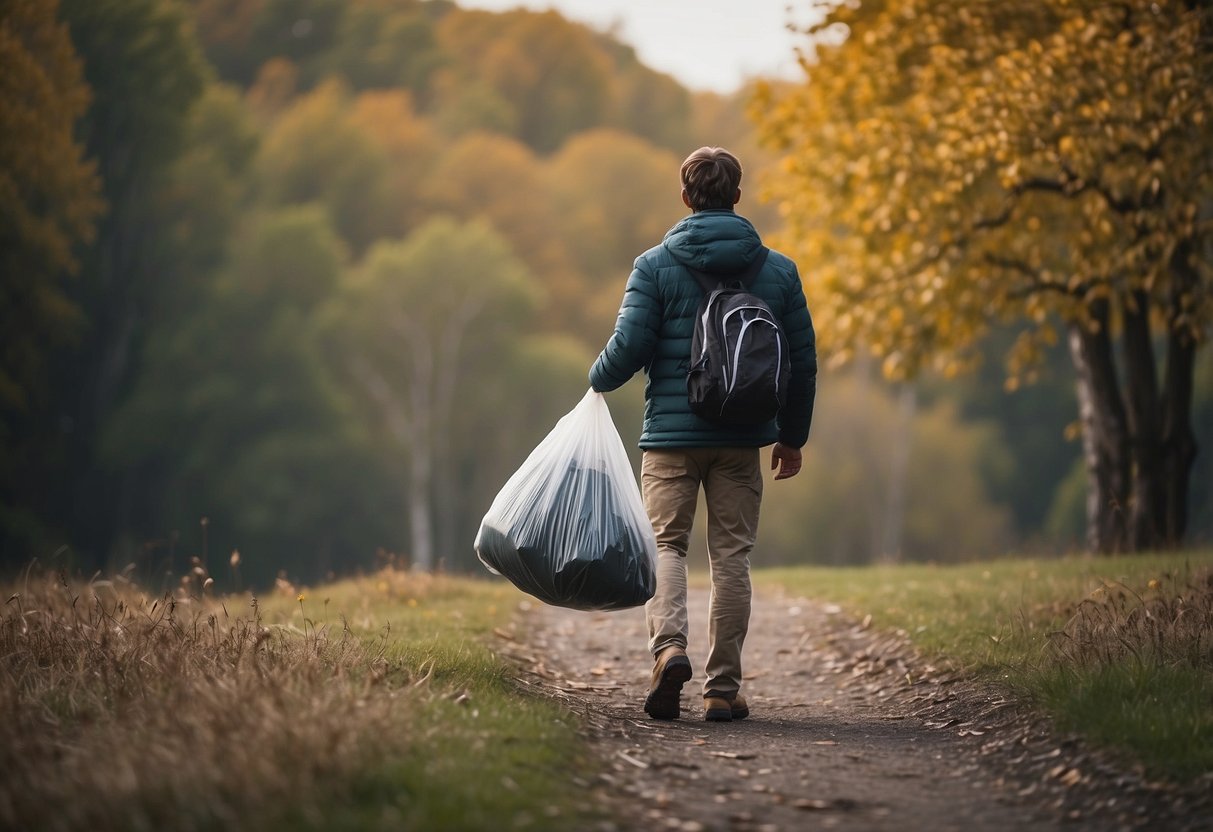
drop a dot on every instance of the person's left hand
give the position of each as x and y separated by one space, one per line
785 461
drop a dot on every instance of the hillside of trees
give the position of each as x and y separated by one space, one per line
305 280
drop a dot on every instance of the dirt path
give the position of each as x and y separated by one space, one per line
848 731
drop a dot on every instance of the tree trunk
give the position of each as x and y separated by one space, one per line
1147 504
899 465
421 454
421 530
1178 439
408 425
1104 432
449 362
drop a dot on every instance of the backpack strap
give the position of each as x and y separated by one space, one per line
711 282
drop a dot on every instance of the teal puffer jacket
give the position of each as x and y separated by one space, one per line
657 318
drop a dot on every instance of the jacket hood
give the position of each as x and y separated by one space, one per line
719 241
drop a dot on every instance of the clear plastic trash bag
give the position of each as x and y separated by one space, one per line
569 527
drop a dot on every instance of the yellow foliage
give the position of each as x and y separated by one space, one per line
1024 159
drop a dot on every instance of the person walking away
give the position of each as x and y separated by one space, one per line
683 451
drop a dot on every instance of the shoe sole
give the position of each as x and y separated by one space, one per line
663 701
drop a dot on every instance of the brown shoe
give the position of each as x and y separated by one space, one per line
723 709
671 670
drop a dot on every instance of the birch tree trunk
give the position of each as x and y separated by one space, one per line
402 425
1104 433
893 524
420 445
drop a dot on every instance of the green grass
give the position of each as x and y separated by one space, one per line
1117 649
1161 715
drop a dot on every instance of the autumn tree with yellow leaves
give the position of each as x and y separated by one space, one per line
951 166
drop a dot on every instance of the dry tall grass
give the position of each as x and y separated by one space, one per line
1169 624
177 712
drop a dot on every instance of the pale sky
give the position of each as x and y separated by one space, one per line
706 44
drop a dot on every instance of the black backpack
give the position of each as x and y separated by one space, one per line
739 355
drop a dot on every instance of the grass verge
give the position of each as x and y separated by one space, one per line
1117 649
366 704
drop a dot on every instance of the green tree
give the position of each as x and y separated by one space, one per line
133 130
200 207
509 400
203 200
316 153
407 327
953 165
382 45
887 480
49 203
239 36
224 28
235 417
1034 455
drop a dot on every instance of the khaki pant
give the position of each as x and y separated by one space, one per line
732 488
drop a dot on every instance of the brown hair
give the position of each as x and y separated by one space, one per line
711 177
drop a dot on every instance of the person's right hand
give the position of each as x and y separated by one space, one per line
785 461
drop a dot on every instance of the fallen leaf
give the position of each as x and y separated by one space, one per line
733 755
632 760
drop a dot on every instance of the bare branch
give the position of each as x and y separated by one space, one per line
1036 282
1121 205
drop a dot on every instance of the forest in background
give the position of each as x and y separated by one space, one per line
306 281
